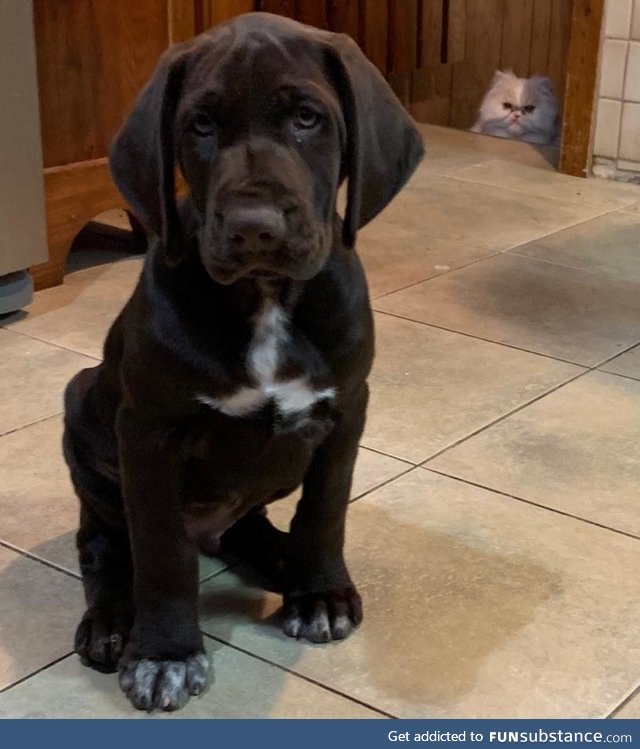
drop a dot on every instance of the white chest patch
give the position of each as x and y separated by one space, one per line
263 359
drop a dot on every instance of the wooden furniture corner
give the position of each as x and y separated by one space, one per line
93 58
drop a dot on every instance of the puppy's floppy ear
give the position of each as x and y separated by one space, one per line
142 155
383 145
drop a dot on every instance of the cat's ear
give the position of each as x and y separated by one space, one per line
502 75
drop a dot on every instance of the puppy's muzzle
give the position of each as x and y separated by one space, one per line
255 238
255 229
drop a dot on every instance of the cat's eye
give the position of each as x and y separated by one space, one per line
529 108
507 105
305 118
202 124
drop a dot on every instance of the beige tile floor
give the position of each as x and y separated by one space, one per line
495 525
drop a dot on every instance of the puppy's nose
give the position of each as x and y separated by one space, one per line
258 227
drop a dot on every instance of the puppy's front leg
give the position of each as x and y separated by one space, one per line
164 662
321 602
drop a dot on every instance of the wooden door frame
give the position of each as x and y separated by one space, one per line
580 87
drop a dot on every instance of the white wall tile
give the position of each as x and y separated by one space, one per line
632 76
614 55
630 132
607 128
635 22
617 19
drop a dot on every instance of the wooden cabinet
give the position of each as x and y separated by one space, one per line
93 57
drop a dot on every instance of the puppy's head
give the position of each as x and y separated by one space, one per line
265 118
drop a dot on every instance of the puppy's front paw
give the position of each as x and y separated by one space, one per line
322 617
165 685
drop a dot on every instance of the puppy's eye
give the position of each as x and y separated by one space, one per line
305 118
507 105
202 124
529 108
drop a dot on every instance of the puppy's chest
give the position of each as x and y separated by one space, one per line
281 370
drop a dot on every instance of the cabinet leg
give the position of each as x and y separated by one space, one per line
74 195
51 273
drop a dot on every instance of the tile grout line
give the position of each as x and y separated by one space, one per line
31 423
617 374
585 371
635 692
51 343
503 417
596 274
597 366
422 464
383 483
213 575
540 195
299 675
622 97
410 468
530 502
248 653
36 672
40 560
485 340
571 226
491 254
387 455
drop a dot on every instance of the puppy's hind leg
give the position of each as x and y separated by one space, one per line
255 540
105 563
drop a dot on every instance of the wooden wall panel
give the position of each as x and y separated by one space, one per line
280 7
431 94
182 20
517 26
559 35
401 85
472 76
85 89
478 37
403 36
540 37
343 17
313 12
411 40
430 50
216 11
375 23
455 12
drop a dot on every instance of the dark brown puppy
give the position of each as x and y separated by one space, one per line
237 371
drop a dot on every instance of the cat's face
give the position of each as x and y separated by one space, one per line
520 107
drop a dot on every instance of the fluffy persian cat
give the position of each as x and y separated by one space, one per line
520 108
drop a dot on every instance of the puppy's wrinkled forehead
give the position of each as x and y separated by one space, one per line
240 75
